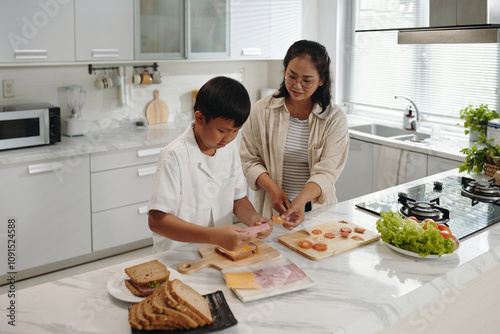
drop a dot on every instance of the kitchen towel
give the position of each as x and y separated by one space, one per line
392 167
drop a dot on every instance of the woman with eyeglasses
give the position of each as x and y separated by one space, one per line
294 144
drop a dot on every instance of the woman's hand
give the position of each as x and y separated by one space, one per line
279 199
294 215
230 237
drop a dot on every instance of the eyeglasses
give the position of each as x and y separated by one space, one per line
305 83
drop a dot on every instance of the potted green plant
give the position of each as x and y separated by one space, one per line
478 159
476 120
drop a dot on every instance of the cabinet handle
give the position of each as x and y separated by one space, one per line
44 168
146 171
105 53
142 210
30 54
149 152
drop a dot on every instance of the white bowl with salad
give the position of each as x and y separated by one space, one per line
408 236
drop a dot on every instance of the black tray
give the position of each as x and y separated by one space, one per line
223 317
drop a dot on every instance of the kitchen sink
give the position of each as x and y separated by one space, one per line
380 130
415 137
390 132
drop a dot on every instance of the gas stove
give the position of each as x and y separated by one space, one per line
481 191
465 205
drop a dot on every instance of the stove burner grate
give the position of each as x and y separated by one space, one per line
480 191
423 210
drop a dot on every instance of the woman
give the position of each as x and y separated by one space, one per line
295 142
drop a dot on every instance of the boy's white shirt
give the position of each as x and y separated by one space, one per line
186 187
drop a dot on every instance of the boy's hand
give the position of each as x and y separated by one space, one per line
230 237
266 233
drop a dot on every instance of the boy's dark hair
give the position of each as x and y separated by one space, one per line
223 97
321 61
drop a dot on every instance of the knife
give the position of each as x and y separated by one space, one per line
305 229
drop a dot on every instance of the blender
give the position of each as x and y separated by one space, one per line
75 125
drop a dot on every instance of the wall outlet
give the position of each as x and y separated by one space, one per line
8 88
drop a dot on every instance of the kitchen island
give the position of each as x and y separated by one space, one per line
363 290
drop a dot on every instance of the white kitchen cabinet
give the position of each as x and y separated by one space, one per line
254 42
207 28
37 31
50 202
264 28
357 177
177 29
121 183
104 30
159 29
437 165
416 166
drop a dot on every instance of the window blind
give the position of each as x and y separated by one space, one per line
441 79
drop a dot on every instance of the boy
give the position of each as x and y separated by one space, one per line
199 182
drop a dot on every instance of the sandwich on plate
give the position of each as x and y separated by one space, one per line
144 278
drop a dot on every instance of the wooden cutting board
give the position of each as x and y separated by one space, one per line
209 258
157 110
335 246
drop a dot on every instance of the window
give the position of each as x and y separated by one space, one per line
440 78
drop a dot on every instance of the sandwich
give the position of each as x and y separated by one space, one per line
173 306
144 278
242 253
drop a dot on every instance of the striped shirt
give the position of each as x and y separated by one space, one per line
295 161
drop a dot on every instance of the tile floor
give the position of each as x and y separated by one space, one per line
90 266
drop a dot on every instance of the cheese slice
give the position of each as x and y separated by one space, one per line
244 280
243 249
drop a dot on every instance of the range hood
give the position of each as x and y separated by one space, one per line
456 21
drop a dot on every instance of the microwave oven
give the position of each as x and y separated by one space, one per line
27 125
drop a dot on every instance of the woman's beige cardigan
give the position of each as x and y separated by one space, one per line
263 145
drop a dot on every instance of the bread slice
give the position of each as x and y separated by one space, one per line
171 317
149 273
242 253
185 295
143 322
132 317
163 300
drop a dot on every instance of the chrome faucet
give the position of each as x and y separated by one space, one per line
410 121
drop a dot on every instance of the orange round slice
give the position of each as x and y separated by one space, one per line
277 219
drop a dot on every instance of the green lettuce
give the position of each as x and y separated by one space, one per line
409 235
156 284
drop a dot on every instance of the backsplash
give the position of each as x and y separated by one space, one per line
106 107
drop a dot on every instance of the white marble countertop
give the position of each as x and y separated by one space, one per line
359 291
106 139
115 138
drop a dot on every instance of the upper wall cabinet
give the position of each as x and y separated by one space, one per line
178 29
264 28
37 31
250 29
104 30
159 29
208 28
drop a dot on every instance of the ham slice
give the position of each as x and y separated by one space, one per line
256 229
142 289
278 275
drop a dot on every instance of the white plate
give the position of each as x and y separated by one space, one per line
118 289
246 295
413 254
